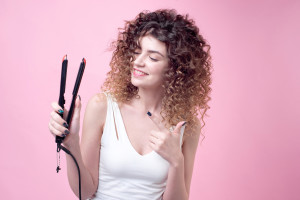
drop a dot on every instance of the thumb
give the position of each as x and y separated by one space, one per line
178 127
76 114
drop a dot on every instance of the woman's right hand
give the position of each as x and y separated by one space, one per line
58 125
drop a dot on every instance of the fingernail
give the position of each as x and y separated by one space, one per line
63 135
79 97
183 123
67 132
149 113
65 125
60 111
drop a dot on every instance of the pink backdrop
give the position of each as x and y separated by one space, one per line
251 150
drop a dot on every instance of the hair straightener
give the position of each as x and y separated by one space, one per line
61 102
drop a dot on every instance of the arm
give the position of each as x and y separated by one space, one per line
86 154
92 130
180 173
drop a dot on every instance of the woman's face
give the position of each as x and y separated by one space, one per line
150 63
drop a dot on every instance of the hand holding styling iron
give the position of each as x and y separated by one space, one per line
58 126
60 117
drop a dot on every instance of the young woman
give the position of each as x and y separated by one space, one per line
140 135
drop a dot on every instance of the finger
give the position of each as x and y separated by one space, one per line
56 107
76 114
55 131
178 127
62 129
153 139
158 134
153 146
59 109
156 121
156 146
57 118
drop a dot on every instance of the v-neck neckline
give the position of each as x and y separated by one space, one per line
127 138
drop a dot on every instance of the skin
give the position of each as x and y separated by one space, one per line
152 59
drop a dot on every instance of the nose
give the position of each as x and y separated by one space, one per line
139 60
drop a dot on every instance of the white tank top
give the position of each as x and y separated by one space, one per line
124 174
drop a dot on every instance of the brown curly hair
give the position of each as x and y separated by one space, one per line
188 78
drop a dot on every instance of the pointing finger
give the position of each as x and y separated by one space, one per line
156 121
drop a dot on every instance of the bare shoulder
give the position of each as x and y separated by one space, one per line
93 123
193 135
98 102
97 105
95 112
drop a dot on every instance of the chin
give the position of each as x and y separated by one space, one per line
137 83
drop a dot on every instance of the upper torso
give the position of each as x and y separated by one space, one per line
128 168
138 126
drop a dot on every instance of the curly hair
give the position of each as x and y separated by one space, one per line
188 77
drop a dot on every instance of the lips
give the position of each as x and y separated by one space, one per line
139 72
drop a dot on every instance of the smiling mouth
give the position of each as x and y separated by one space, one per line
139 73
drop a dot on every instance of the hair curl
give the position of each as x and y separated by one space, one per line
188 78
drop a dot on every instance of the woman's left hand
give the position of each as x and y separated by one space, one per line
167 144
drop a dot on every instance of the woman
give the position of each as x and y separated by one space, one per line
140 135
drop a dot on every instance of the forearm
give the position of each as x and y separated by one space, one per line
176 189
88 186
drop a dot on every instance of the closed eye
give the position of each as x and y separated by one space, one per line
153 59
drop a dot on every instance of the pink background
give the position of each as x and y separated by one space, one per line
252 145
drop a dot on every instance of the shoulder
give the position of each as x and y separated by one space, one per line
96 108
97 103
194 132
94 120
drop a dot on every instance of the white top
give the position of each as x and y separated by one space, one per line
124 174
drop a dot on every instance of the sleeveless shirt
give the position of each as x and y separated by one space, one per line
124 173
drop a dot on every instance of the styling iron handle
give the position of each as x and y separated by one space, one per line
61 100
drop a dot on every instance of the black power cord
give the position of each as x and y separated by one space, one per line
60 147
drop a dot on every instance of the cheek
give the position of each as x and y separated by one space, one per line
159 69
157 72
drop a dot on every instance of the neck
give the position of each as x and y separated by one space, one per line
150 100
